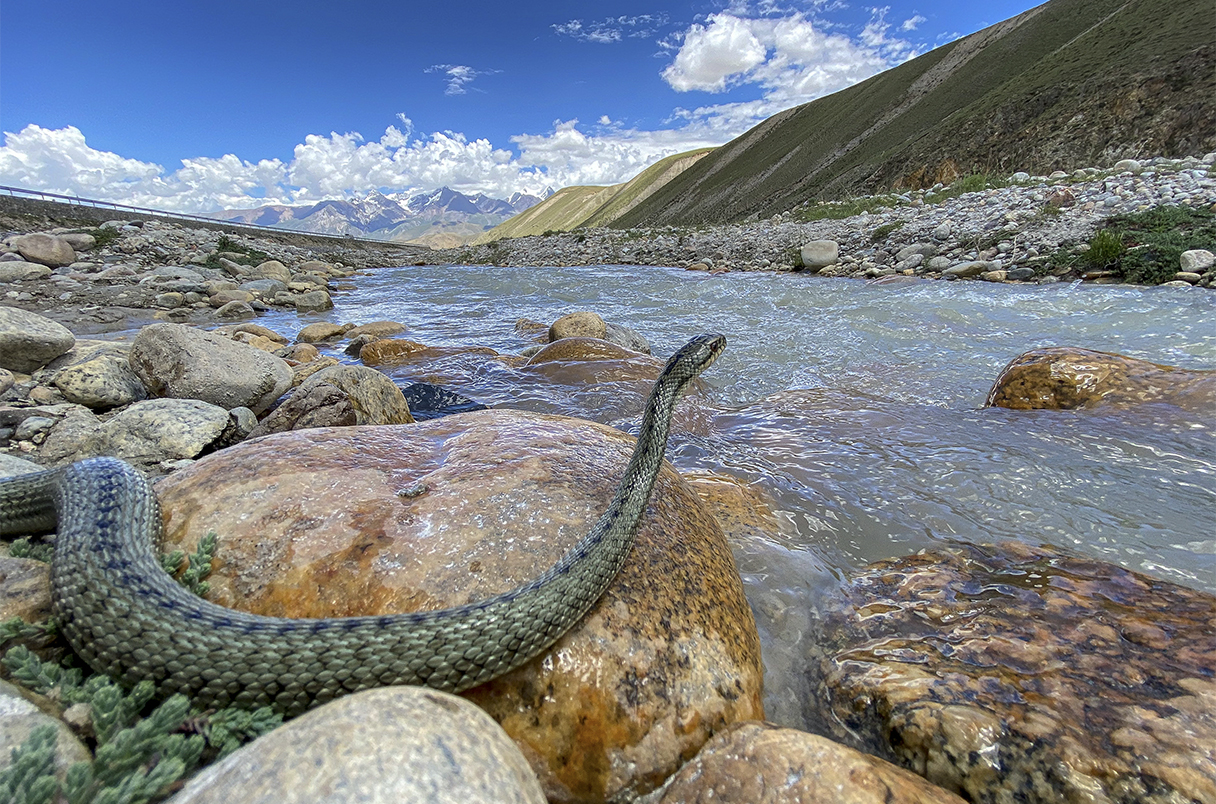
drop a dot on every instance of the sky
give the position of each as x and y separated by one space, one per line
194 106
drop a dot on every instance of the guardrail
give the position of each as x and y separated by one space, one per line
91 202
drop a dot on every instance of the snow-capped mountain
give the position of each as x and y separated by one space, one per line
442 217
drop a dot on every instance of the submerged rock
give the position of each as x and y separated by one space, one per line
1017 673
369 520
1063 378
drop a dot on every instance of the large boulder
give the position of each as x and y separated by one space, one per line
374 398
1064 378
583 324
45 249
369 520
157 430
174 360
1018 673
387 746
760 763
819 254
21 271
105 381
29 341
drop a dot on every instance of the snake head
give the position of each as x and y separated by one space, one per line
694 357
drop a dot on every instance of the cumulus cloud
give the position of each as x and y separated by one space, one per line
612 29
912 23
459 76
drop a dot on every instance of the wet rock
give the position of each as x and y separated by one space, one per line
1018 673
29 341
624 336
387 746
760 763
106 381
1064 378
322 405
966 270
314 301
373 396
19 271
264 288
355 347
427 401
45 249
398 351
158 430
299 352
322 331
819 254
303 371
19 717
377 329
177 361
457 509
583 324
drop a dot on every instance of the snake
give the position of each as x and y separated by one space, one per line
130 620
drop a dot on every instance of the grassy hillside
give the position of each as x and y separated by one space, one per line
572 207
1066 84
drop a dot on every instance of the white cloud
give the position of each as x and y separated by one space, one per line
459 76
912 23
726 48
612 29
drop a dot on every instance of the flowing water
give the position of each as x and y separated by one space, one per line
858 410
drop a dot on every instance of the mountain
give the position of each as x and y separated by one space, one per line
442 218
1070 82
572 207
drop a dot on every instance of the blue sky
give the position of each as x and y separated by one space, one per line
197 106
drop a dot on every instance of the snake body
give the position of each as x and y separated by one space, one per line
128 619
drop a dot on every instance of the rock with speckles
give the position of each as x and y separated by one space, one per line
1018 673
367 520
385 746
1063 378
760 763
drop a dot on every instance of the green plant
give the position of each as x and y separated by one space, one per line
1105 249
25 548
103 236
198 565
884 231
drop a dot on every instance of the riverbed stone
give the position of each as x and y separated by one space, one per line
21 271
45 249
157 430
1196 260
1064 378
366 520
29 341
106 381
174 360
377 329
322 331
624 336
819 254
322 405
272 269
1020 673
314 301
25 587
384 746
374 398
760 763
966 270
583 324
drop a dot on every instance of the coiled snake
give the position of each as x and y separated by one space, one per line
128 619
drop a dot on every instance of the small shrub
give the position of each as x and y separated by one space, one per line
1105 249
884 231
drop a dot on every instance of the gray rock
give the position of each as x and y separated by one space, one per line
925 249
624 336
12 466
19 717
1020 274
937 263
235 309
942 231
1197 260
45 249
157 430
321 405
20 271
820 254
32 426
911 263
68 439
106 381
374 397
263 287
79 241
272 269
381 746
171 300
314 301
29 341
177 361
968 269
7 380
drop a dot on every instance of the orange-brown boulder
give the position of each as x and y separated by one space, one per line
1063 378
366 520
760 763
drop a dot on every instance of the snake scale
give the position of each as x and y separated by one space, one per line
128 619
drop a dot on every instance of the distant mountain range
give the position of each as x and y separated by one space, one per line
442 218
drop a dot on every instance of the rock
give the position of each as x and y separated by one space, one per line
322 405
79 241
272 269
1018 673
29 341
1197 260
460 508
7 380
386 746
300 352
106 381
1187 277
926 250
314 266
45 249
820 254
428 401
1064 378
624 336
966 270
397 351
937 264
1061 198
265 288
68 439
169 301
578 325
260 331
19 718
303 371
314 301
322 331
20 271
994 276
226 296
355 347
235 309
177 361
374 397
532 330
760 763
942 231
25 587
377 329
1127 165
157 430
1019 274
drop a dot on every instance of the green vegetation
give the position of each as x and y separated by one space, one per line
972 183
839 210
248 256
884 231
103 235
1105 249
1144 247
141 748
